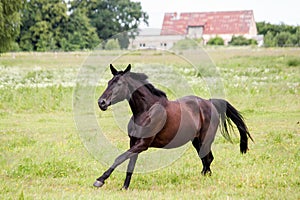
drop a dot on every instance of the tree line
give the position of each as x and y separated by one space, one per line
68 25
281 35
51 25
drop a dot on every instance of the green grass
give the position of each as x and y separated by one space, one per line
292 62
43 157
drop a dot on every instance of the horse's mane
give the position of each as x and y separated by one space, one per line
155 91
142 78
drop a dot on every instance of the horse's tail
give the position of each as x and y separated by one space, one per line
228 112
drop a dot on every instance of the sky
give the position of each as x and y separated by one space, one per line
273 11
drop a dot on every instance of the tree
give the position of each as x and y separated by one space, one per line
284 39
263 28
79 33
123 39
43 25
47 26
269 40
297 37
111 17
9 23
112 44
280 35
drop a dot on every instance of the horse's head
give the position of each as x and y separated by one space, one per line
117 89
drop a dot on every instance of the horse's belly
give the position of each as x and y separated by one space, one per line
182 126
182 136
176 135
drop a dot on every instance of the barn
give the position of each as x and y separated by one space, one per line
200 25
207 25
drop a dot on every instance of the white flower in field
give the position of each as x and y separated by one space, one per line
236 85
277 77
264 78
186 71
37 68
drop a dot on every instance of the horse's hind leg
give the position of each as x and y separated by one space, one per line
202 144
206 160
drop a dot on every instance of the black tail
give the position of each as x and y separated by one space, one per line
227 111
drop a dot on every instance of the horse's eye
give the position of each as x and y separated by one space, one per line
119 83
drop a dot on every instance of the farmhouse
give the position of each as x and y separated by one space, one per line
201 25
210 24
152 39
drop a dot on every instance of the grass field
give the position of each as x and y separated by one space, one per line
43 157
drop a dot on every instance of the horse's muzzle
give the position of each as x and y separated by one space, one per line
103 104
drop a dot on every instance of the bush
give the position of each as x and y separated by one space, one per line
216 41
112 44
293 62
185 44
284 39
269 40
242 41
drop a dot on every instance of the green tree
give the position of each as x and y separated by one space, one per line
112 44
280 35
9 23
42 36
43 25
123 39
297 37
111 17
263 28
284 39
79 33
269 40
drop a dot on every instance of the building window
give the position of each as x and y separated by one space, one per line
163 44
142 44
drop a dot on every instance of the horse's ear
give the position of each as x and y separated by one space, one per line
127 69
113 70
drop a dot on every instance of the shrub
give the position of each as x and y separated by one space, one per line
284 39
112 44
242 41
216 41
185 44
269 40
293 62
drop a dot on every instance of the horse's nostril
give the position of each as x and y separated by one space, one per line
101 102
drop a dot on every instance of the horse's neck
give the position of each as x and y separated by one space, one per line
141 101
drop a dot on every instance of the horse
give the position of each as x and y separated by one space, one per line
157 122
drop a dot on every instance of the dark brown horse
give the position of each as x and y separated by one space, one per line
158 122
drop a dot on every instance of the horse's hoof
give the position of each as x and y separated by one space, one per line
124 188
98 184
206 173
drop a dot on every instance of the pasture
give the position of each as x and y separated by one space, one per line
43 157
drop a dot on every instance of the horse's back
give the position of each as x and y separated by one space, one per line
198 106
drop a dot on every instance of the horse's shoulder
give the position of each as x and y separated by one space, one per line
149 123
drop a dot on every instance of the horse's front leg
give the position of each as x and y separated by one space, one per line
131 165
138 147
130 169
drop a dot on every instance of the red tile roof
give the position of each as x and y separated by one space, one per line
225 22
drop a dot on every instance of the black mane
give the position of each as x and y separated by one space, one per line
155 91
143 78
